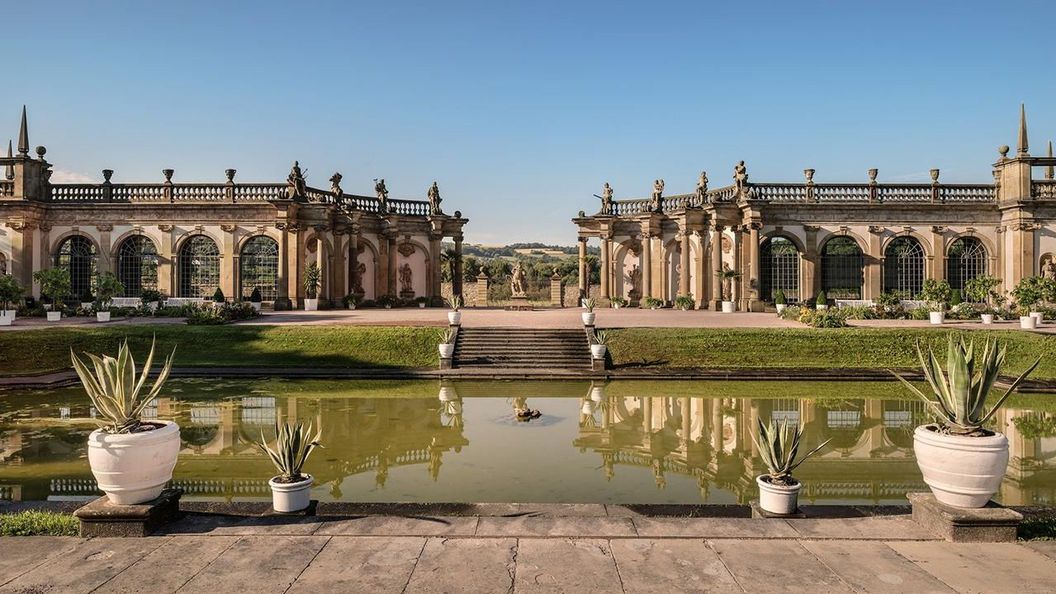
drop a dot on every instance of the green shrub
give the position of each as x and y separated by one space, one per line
652 302
684 302
779 297
10 291
150 295
218 296
822 299
919 313
823 318
937 293
255 296
38 523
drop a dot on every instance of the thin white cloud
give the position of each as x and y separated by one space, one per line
63 176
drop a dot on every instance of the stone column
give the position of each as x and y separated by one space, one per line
683 275
296 255
584 278
456 279
104 264
606 266
435 265
38 251
811 281
716 266
938 253
322 261
282 288
227 261
21 263
482 290
353 260
647 266
753 266
739 266
166 262
873 265
338 267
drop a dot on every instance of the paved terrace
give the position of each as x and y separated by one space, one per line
527 548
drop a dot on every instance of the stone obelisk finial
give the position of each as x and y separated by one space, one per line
1022 146
23 135
1050 171
9 171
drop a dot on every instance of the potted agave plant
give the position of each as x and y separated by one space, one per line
618 302
291 489
131 459
588 316
106 289
962 461
312 282
599 344
447 342
454 317
726 277
778 445
780 301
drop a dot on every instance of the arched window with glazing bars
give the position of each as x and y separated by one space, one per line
904 267
137 265
965 260
259 267
842 268
78 256
779 268
199 266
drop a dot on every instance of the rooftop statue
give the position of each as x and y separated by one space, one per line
295 182
606 199
434 199
382 193
740 176
335 187
702 187
658 195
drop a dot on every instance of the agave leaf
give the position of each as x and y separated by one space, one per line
1008 392
937 410
809 454
960 381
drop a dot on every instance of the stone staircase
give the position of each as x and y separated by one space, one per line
522 348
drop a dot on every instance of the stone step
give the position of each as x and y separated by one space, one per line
529 348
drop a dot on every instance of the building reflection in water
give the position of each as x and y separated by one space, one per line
703 439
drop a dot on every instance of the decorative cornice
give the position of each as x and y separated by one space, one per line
877 229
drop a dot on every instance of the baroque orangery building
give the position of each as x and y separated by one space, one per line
851 240
188 239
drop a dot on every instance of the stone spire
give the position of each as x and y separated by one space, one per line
1021 146
1049 171
23 135
9 171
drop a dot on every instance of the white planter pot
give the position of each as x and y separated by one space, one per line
102 316
597 351
87 305
1028 322
1038 318
351 306
387 306
133 468
961 471
291 497
588 318
311 305
6 321
454 318
255 305
937 317
54 316
778 499
987 318
447 350
616 306
781 308
421 306
9 313
152 306
727 307
821 307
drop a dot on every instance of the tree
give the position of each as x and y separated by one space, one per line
54 284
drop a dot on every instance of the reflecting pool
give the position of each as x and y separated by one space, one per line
616 442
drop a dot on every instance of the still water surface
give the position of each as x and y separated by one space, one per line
620 442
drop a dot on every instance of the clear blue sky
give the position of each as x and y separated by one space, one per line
522 110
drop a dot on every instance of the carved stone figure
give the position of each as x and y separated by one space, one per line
702 187
406 281
434 199
634 277
727 282
606 199
295 182
1048 268
518 281
335 187
382 193
357 282
656 204
740 176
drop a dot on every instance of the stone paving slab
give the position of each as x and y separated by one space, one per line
259 564
84 567
364 564
1045 547
243 525
886 528
671 565
25 553
782 566
190 554
526 526
883 572
566 565
465 566
400 526
983 568
713 528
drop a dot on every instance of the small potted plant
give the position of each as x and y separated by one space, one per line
421 301
937 294
684 302
447 342
55 285
654 302
351 301
1028 293
87 300
131 459
961 460
780 301
599 344
107 287
218 297
291 489
618 302
726 277
822 301
778 445
386 301
454 317
588 316
151 299
256 299
10 294
312 282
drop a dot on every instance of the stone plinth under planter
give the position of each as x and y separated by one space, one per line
760 513
519 303
992 523
102 518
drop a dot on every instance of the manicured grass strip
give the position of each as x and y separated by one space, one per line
869 348
38 523
1037 529
48 349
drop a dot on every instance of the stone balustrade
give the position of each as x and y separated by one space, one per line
7 187
1043 189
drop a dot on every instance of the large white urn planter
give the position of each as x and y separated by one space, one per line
291 497
781 308
54 316
597 351
588 318
134 467
9 313
447 350
961 471
1038 318
937 317
311 305
454 318
727 307
987 318
1028 322
777 499
102 316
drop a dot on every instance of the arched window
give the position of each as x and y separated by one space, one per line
779 268
841 268
904 267
259 267
137 265
77 254
199 267
965 260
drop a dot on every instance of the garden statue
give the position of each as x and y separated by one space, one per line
382 193
335 187
434 199
702 187
357 282
518 283
1048 269
635 278
606 199
295 182
406 280
522 412
740 177
727 282
658 195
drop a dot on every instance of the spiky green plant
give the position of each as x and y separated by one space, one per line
455 302
590 303
778 445
447 335
599 337
114 389
293 444
961 391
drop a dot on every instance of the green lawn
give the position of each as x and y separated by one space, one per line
869 348
38 351
38 523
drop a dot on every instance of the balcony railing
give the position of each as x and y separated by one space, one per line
1043 189
7 187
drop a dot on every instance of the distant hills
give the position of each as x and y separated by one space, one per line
522 250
